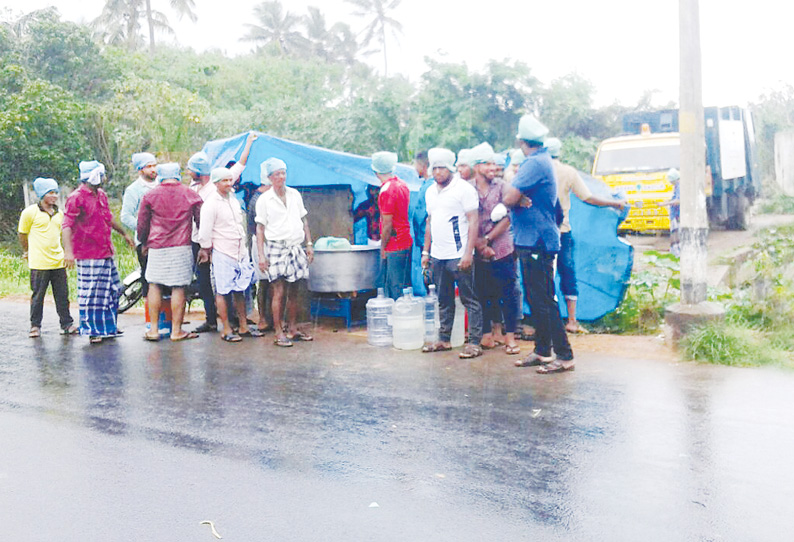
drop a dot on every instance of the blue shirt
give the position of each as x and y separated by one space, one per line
418 210
537 226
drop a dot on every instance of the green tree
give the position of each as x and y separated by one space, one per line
457 109
42 134
276 29
63 53
378 12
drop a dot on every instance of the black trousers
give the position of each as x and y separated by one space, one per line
205 287
537 271
142 262
40 279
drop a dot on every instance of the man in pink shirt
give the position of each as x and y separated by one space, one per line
165 224
222 240
87 224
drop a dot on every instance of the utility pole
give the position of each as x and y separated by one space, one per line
694 230
694 221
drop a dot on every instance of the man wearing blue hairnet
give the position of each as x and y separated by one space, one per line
146 165
40 237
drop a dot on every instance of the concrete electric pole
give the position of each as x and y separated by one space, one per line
694 229
694 220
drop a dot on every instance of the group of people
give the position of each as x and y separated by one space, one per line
179 232
475 220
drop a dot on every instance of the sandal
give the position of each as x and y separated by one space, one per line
512 349
35 333
231 338
437 347
470 351
283 341
253 332
556 366
94 339
71 330
185 336
301 336
576 329
534 359
151 338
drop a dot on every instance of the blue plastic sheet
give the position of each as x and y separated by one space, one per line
603 260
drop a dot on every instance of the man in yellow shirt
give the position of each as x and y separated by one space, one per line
40 237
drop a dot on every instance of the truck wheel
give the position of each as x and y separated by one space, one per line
739 219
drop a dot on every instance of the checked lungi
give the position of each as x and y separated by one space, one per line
230 275
98 290
171 266
287 262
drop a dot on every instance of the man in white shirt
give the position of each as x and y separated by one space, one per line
146 165
280 231
450 236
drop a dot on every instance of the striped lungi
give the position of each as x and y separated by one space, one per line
231 275
171 266
287 262
98 290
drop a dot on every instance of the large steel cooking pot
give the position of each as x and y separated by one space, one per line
347 270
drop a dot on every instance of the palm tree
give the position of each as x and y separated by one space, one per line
343 43
378 13
120 21
157 20
277 28
318 35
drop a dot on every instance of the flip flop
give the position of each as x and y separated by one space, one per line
232 338
71 330
578 329
151 338
470 351
185 337
253 332
555 366
283 341
533 360
512 350
35 333
301 336
94 339
438 347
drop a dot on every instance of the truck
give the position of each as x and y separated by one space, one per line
635 164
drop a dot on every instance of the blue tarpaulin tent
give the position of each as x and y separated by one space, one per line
603 261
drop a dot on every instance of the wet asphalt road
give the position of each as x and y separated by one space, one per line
133 441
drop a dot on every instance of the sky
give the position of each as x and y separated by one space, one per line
624 47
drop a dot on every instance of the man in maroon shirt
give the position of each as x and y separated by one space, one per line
165 226
395 230
495 273
87 222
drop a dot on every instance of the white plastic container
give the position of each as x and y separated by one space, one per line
458 336
408 323
379 314
431 315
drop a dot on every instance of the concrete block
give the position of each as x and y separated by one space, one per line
679 318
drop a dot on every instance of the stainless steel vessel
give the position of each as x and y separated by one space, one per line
347 270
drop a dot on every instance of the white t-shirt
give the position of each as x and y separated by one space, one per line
449 227
281 222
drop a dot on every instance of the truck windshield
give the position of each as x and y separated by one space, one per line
626 160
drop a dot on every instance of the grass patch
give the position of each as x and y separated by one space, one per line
728 343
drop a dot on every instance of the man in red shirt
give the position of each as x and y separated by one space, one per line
165 225
395 230
87 222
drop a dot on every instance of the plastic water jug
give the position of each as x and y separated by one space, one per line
458 336
431 315
379 311
164 318
408 323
